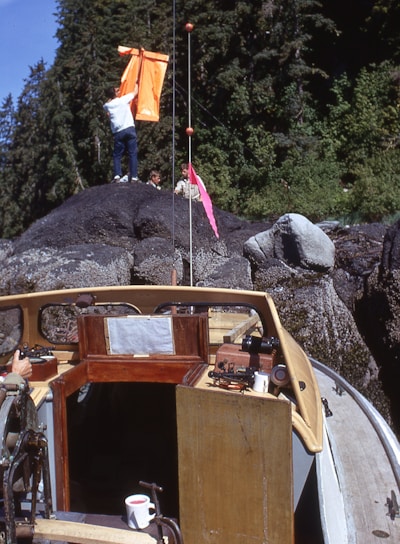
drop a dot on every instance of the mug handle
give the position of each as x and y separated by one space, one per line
151 516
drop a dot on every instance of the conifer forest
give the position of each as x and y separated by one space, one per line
295 106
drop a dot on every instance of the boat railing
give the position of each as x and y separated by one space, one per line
385 434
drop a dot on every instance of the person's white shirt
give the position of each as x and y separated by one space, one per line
120 112
187 189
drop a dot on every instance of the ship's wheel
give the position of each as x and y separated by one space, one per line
23 460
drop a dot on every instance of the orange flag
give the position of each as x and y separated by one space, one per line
147 69
131 73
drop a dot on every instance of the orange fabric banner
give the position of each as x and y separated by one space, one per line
131 72
148 70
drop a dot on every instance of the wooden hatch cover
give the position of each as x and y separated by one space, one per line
235 468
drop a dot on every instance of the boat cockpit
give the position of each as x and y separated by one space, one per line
127 392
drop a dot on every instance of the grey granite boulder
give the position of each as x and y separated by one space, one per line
233 273
295 241
82 265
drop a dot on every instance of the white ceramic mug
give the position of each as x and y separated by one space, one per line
261 382
137 511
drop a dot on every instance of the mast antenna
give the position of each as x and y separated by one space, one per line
189 133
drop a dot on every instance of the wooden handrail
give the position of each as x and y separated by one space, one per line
82 533
241 328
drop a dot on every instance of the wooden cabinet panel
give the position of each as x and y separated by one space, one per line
235 468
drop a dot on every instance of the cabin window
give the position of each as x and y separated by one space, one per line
227 323
10 329
140 334
57 322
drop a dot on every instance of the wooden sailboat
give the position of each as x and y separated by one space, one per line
235 464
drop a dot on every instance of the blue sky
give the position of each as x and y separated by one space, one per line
27 29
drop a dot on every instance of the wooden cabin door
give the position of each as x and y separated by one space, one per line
235 468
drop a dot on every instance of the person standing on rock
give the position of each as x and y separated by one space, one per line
119 111
184 187
155 179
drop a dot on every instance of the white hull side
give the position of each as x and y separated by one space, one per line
332 509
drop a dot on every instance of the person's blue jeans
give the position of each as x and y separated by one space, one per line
125 140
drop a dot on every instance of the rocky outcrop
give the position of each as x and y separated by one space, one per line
74 266
378 314
134 233
332 289
294 261
235 272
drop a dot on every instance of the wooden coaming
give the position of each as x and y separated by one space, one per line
307 417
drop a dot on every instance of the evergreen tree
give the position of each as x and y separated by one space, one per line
382 30
26 157
277 121
7 124
81 70
7 127
253 66
87 62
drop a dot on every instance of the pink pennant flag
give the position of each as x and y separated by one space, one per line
205 198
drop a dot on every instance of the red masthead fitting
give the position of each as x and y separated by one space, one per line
189 131
189 27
